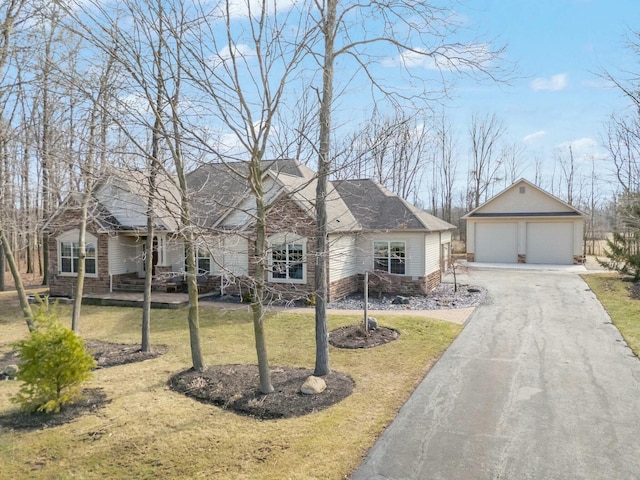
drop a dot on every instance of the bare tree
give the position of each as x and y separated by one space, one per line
569 174
88 174
485 133
428 37
147 25
623 145
12 14
249 109
392 149
445 166
512 162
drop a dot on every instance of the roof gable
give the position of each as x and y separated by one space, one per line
124 194
523 199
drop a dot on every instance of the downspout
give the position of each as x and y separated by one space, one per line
222 269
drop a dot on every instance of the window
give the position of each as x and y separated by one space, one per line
69 254
288 262
389 257
203 261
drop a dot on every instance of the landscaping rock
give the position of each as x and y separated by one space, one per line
473 290
313 385
400 300
431 301
9 372
372 323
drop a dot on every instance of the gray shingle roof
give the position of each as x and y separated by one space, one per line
218 188
376 208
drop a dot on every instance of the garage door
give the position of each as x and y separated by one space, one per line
550 243
496 242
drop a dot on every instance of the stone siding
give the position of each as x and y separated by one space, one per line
471 257
522 258
389 284
345 286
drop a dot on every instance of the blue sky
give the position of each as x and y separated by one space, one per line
559 47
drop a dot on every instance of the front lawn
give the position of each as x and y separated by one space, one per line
147 431
624 310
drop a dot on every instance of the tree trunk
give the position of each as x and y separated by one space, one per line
324 165
2 269
257 302
22 294
187 228
82 256
194 312
145 342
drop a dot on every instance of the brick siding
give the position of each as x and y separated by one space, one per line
62 285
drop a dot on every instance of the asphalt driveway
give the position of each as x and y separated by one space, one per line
539 385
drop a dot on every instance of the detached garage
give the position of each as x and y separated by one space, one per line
525 224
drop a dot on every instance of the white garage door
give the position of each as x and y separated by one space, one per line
550 243
496 242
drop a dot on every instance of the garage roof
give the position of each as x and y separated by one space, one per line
524 199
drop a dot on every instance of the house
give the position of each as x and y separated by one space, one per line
525 224
370 229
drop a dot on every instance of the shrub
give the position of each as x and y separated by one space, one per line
52 365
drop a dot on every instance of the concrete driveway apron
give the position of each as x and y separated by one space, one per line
539 385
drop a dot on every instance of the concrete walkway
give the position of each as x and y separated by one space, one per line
454 315
539 385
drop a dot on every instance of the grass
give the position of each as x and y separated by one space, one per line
148 431
624 311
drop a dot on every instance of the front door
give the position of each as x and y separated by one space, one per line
154 256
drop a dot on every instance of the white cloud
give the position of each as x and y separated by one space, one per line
555 83
534 136
580 143
239 51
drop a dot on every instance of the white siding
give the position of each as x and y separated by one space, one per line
230 255
530 200
432 253
343 257
445 237
175 254
123 255
414 243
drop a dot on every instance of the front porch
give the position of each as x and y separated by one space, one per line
135 299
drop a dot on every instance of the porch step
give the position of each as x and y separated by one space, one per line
129 287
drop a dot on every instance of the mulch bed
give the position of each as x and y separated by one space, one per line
93 399
354 336
235 388
109 354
